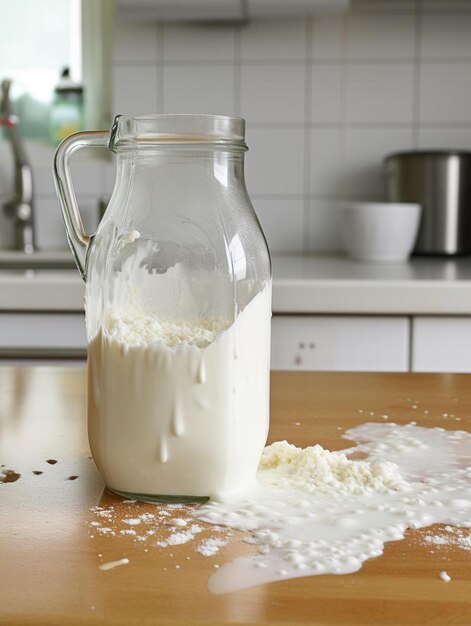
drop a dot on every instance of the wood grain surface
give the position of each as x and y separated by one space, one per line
49 556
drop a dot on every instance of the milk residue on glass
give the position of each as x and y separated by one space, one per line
318 512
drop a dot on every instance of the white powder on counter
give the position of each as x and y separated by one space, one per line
452 537
177 539
132 522
210 547
157 528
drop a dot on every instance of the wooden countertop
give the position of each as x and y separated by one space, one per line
49 556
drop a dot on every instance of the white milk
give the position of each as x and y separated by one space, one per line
180 409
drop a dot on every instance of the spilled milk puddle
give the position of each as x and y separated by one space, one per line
318 512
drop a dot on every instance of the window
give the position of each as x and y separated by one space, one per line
38 39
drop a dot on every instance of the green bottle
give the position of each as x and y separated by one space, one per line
66 115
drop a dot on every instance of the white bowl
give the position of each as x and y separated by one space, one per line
379 231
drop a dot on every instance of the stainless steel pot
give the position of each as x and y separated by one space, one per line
441 182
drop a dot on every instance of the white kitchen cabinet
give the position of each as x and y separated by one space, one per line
42 335
441 344
349 343
299 342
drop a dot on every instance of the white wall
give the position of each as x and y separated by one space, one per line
325 99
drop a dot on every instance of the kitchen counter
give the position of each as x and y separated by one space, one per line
307 284
339 285
50 553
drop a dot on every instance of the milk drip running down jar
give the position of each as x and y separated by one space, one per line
178 308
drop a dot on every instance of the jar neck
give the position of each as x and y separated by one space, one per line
223 165
160 130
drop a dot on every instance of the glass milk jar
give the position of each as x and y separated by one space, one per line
178 308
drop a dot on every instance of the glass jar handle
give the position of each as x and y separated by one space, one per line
76 235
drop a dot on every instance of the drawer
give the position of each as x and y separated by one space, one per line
340 343
441 344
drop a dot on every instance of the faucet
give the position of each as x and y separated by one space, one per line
20 207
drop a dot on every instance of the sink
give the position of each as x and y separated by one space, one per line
38 260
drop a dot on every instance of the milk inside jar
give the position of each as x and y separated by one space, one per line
178 308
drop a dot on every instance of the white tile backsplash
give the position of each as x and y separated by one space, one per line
135 42
135 89
43 181
50 230
271 39
282 223
326 98
262 100
327 161
379 93
445 93
87 176
184 42
275 161
328 37
365 150
445 138
381 36
327 86
324 231
109 177
446 36
198 89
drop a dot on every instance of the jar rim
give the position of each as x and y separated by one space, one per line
154 129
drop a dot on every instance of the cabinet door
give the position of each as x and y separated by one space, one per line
441 344
42 335
340 343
